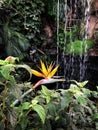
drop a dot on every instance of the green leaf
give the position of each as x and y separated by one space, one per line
74 89
81 99
95 116
17 44
15 91
6 70
80 84
65 100
34 5
12 114
45 91
86 91
26 67
2 62
48 99
55 94
23 121
52 109
34 102
24 106
95 94
40 111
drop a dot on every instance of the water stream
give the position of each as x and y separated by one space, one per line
73 66
83 66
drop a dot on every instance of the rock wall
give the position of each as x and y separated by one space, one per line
93 23
93 28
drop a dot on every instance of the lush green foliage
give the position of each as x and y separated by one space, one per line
23 29
10 89
71 41
66 109
79 47
67 36
16 44
23 23
25 17
45 109
20 26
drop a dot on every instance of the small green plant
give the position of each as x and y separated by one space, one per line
70 41
78 47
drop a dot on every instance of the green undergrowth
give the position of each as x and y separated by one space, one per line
73 109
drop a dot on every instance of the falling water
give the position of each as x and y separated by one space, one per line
71 63
84 59
58 31
65 27
58 5
65 20
87 17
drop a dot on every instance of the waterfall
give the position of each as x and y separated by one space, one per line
87 17
83 66
58 31
58 15
74 67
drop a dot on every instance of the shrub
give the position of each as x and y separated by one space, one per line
44 109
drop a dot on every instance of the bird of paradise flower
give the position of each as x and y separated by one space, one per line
47 73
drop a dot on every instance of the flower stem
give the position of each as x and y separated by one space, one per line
17 100
26 93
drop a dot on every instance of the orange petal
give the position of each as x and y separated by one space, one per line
36 73
52 73
49 68
43 69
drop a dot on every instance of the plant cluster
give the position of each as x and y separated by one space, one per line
68 35
71 41
22 28
79 47
25 17
44 109
20 23
60 109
